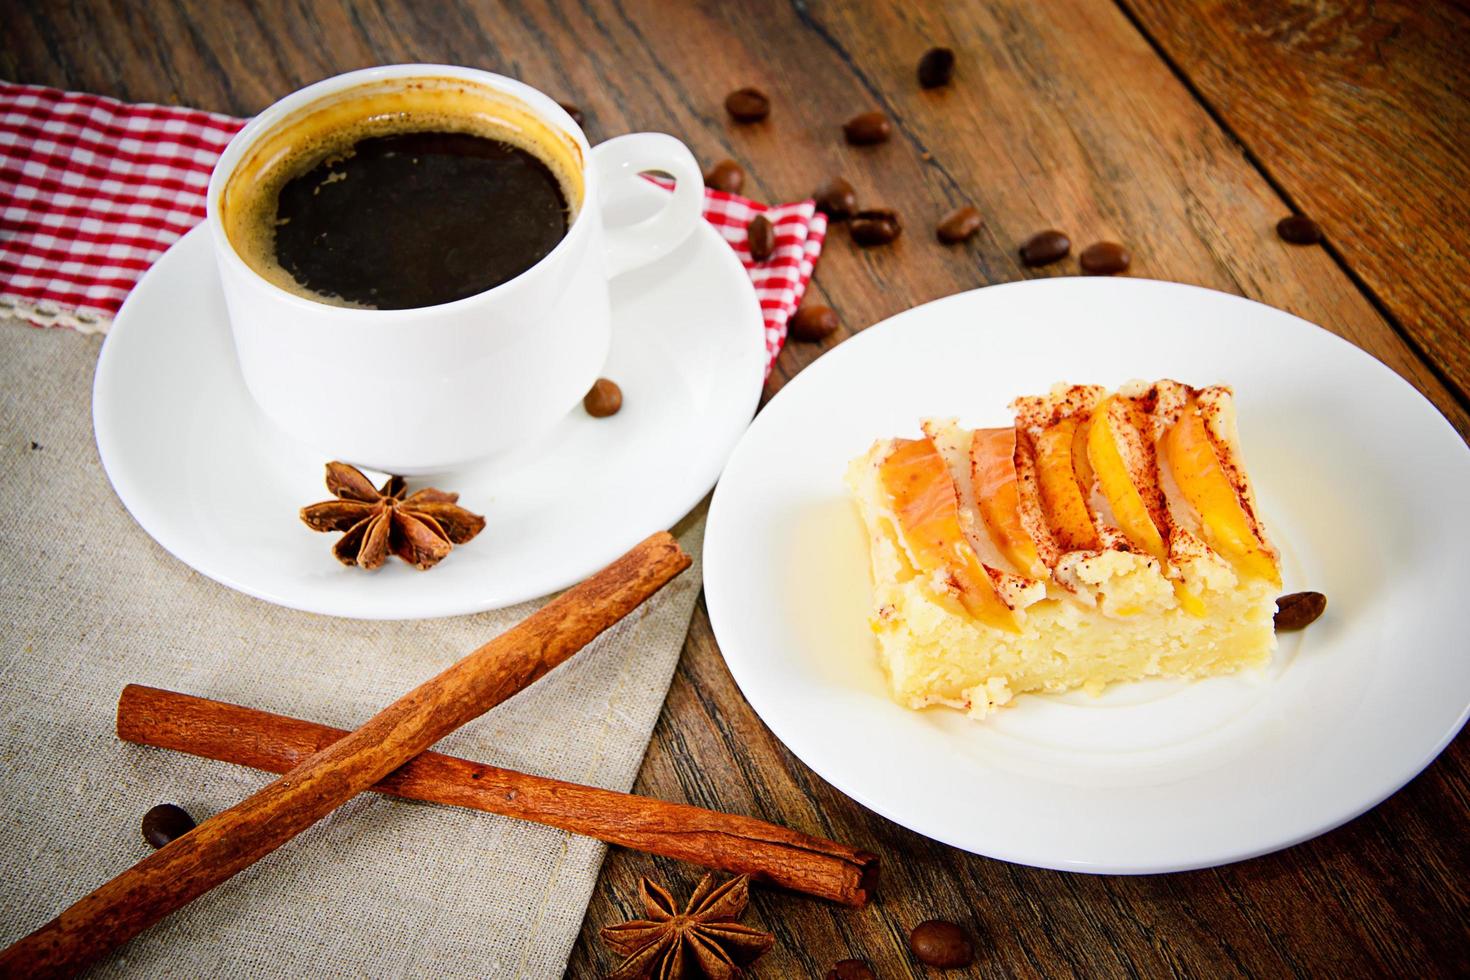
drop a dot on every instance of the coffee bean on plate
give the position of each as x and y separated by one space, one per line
941 944
936 68
812 322
760 237
875 226
727 175
1299 610
573 111
1104 259
836 199
1045 247
1299 230
748 105
958 226
604 399
166 823
867 128
851 970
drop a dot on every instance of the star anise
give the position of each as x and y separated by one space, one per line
704 940
420 528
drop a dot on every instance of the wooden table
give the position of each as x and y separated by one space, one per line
1184 130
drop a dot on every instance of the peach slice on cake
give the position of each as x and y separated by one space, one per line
1126 470
1204 468
924 500
1061 495
993 473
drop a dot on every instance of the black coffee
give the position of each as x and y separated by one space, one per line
417 219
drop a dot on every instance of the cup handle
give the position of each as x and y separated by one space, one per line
622 159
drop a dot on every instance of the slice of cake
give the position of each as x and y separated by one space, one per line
1103 537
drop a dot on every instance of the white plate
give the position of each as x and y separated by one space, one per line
217 485
1361 481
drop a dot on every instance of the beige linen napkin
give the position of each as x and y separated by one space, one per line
381 888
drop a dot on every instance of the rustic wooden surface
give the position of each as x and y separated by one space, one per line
1341 101
1061 114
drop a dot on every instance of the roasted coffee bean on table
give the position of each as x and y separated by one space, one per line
836 199
1045 247
727 176
760 237
748 105
958 226
604 399
941 944
1104 259
166 823
867 128
812 322
1299 610
875 226
936 68
851 970
573 111
1299 230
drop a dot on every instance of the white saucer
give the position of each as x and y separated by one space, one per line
218 486
1361 481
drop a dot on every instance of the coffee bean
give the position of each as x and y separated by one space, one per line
572 111
851 970
941 944
867 128
875 226
812 323
727 175
1299 610
760 237
936 68
1104 259
1299 230
1045 247
836 199
603 400
166 822
748 105
958 226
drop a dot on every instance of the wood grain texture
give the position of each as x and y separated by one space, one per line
1360 112
1061 114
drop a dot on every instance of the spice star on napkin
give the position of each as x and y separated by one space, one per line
94 190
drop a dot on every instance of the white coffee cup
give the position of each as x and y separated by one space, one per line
423 390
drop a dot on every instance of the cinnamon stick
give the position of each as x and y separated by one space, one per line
741 845
236 838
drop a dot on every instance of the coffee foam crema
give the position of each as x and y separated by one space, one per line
332 126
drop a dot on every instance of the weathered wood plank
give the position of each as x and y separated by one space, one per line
1360 112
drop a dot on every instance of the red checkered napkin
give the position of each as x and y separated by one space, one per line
781 280
93 190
